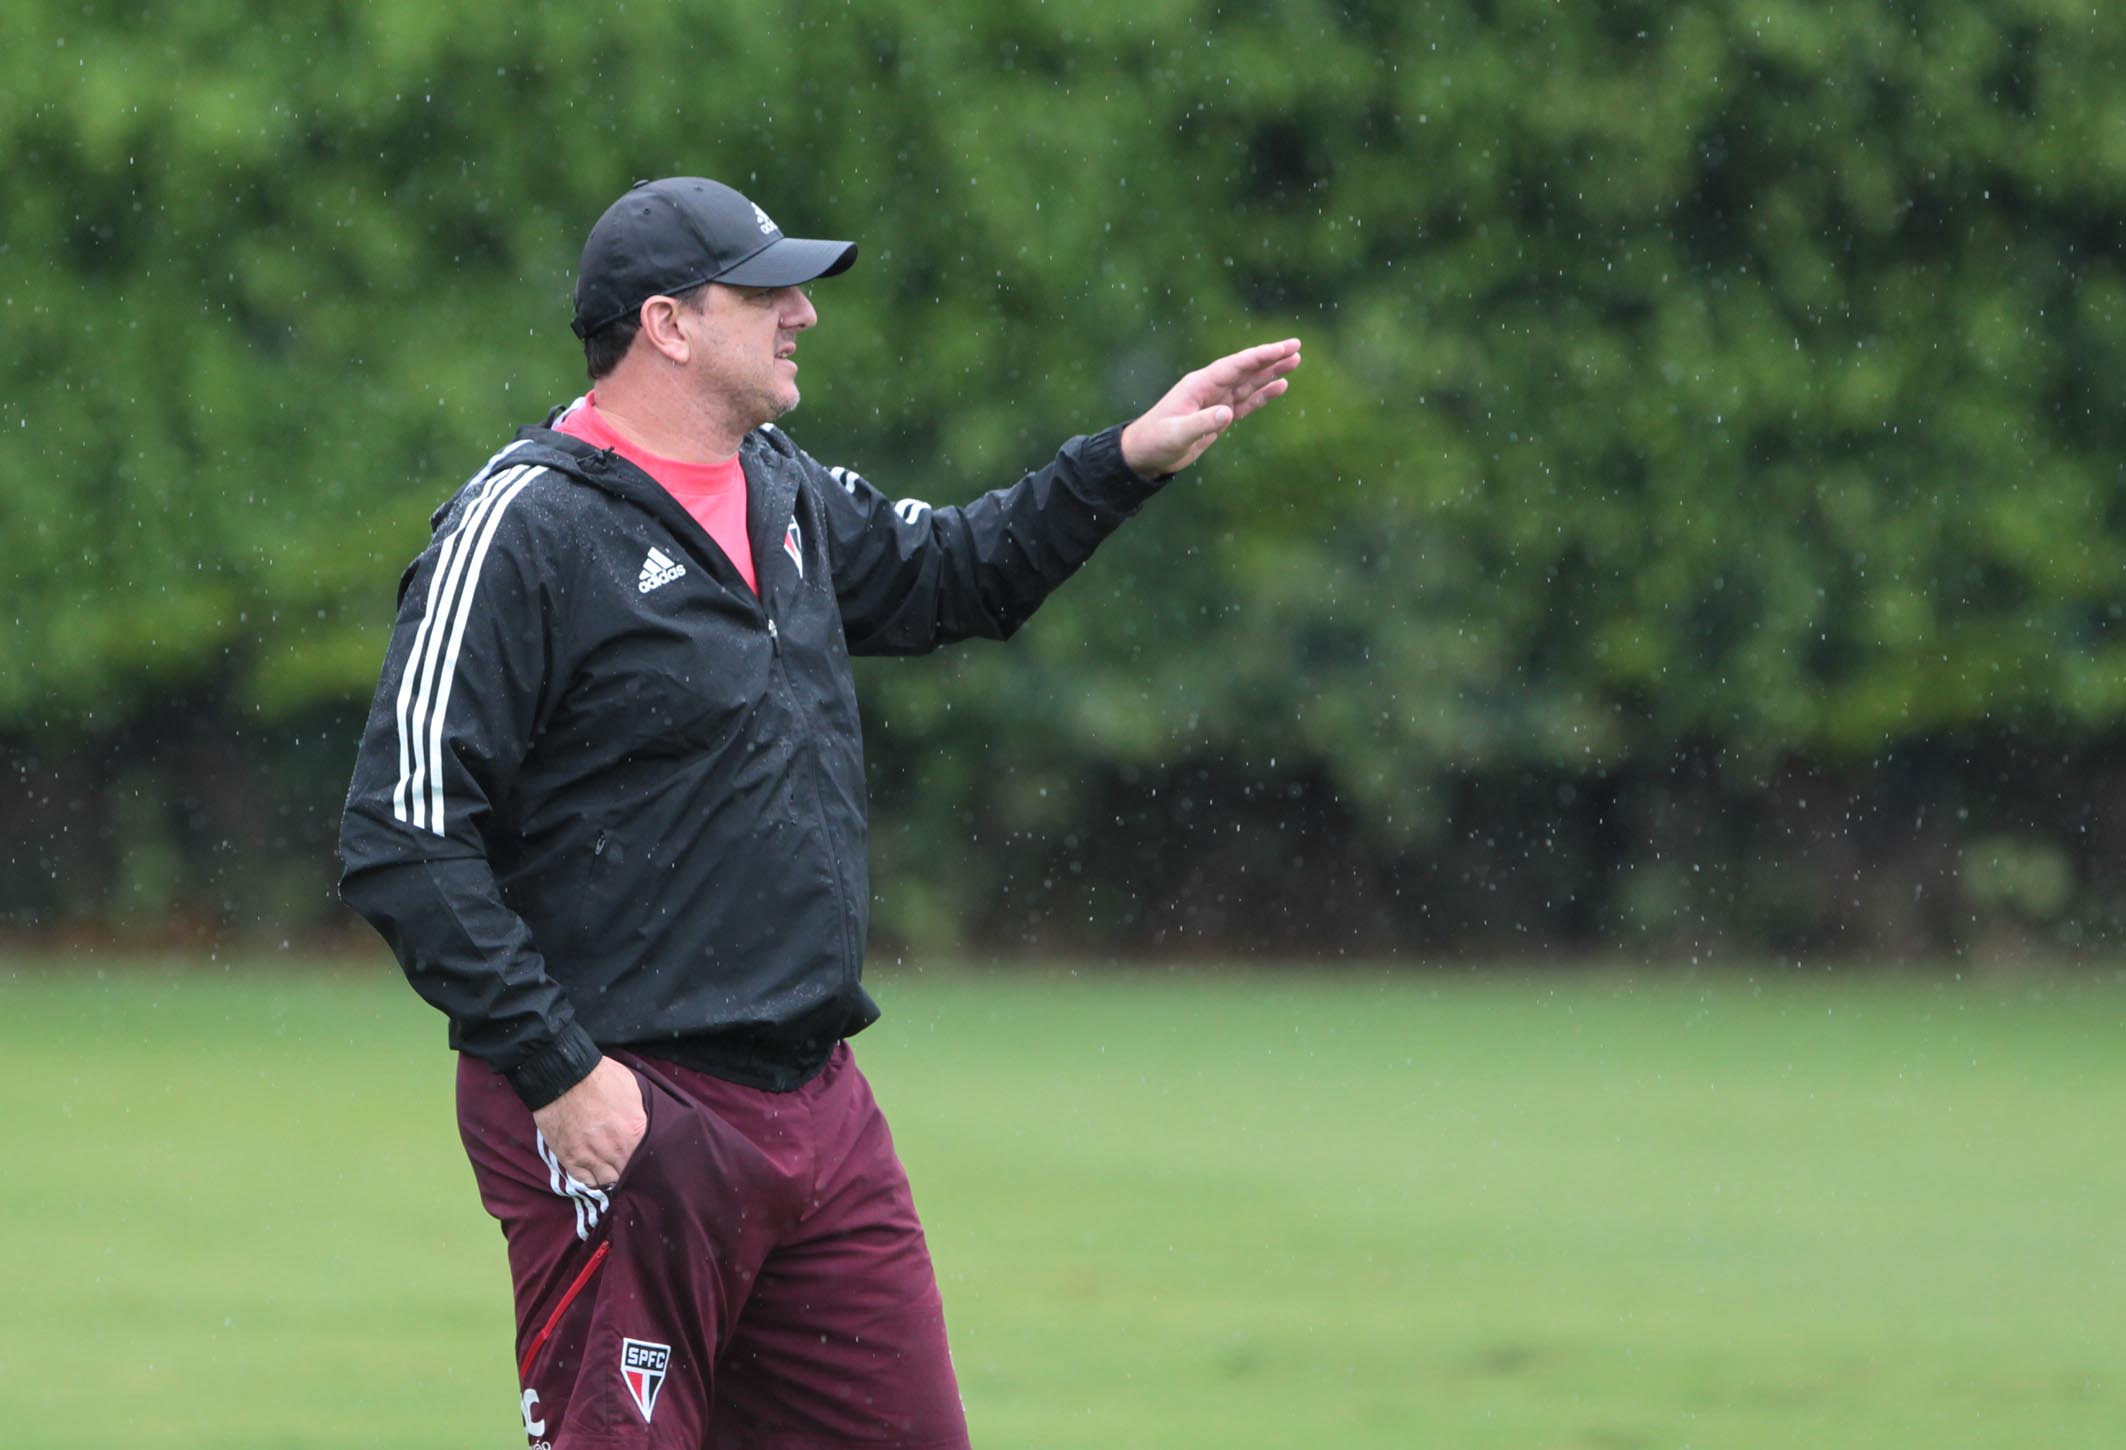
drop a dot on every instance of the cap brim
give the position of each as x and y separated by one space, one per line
789 261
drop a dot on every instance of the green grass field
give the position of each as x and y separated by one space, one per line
1169 1210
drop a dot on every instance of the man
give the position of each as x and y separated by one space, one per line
609 812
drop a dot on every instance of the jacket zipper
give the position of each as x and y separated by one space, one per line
819 798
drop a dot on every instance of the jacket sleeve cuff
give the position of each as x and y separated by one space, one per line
1110 477
555 1068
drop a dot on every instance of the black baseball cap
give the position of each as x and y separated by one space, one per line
666 236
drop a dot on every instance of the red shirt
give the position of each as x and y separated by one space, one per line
714 493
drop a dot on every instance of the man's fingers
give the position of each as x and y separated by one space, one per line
1234 377
1257 378
599 1163
1190 428
1195 432
588 1163
1155 445
1274 388
588 1171
1233 366
1210 420
1204 404
1231 371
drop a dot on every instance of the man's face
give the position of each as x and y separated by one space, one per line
743 349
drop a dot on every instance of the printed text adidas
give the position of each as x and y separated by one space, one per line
658 570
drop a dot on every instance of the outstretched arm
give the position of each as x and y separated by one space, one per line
910 578
1196 410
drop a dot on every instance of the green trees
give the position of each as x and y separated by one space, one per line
1697 402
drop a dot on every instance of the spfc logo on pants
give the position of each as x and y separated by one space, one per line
642 1366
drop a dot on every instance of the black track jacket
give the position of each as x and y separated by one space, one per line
609 797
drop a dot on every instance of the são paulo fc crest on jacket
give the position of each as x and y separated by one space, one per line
642 1369
793 544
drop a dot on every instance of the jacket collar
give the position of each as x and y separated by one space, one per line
771 498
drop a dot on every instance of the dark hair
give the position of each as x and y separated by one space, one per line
603 349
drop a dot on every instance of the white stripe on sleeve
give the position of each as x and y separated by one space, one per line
428 642
457 636
409 729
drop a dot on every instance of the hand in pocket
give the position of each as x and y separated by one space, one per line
596 1126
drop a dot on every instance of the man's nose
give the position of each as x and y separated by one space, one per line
798 313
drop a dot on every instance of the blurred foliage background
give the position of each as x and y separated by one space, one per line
1698 524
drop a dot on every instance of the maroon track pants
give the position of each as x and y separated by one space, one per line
756 1280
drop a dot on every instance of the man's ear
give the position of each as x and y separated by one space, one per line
660 328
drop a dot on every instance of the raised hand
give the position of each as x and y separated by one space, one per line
1196 410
